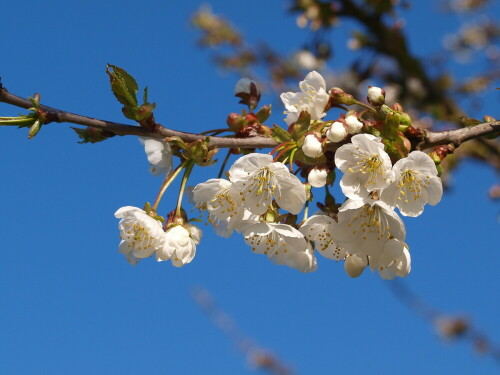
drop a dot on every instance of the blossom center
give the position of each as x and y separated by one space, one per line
369 221
371 165
137 236
411 184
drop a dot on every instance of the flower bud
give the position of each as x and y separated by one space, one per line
247 91
487 118
243 86
337 132
397 107
317 177
235 121
312 147
353 124
263 113
376 96
35 128
306 60
339 97
354 265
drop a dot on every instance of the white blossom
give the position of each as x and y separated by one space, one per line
141 234
128 251
224 204
416 182
312 99
258 179
306 60
353 124
354 265
159 155
337 132
319 229
317 177
282 243
365 225
376 95
312 146
243 86
365 164
394 261
180 244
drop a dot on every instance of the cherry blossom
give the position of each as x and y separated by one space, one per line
141 234
365 164
282 243
354 265
394 261
416 183
159 155
243 86
312 99
365 225
180 244
258 179
319 229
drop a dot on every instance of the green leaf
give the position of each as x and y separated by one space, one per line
123 85
301 126
279 134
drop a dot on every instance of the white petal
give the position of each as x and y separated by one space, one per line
248 164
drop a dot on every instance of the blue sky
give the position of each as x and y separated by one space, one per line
71 304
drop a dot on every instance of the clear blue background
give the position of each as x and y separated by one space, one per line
71 304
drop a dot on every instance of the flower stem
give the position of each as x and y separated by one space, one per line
166 183
223 166
369 107
189 164
292 154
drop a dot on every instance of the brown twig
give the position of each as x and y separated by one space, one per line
257 356
430 138
448 327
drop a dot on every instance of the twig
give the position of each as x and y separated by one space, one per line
430 138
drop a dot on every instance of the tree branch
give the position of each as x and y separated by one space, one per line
430 138
457 136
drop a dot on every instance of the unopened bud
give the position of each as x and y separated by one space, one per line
247 91
487 118
354 265
353 124
35 128
243 86
235 121
339 96
317 177
263 113
376 96
312 146
397 107
336 132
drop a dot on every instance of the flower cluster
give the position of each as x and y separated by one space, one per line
142 236
261 198
258 185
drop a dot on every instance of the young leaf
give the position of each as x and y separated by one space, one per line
123 85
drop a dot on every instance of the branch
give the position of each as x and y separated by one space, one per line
58 115
457 136
429 139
